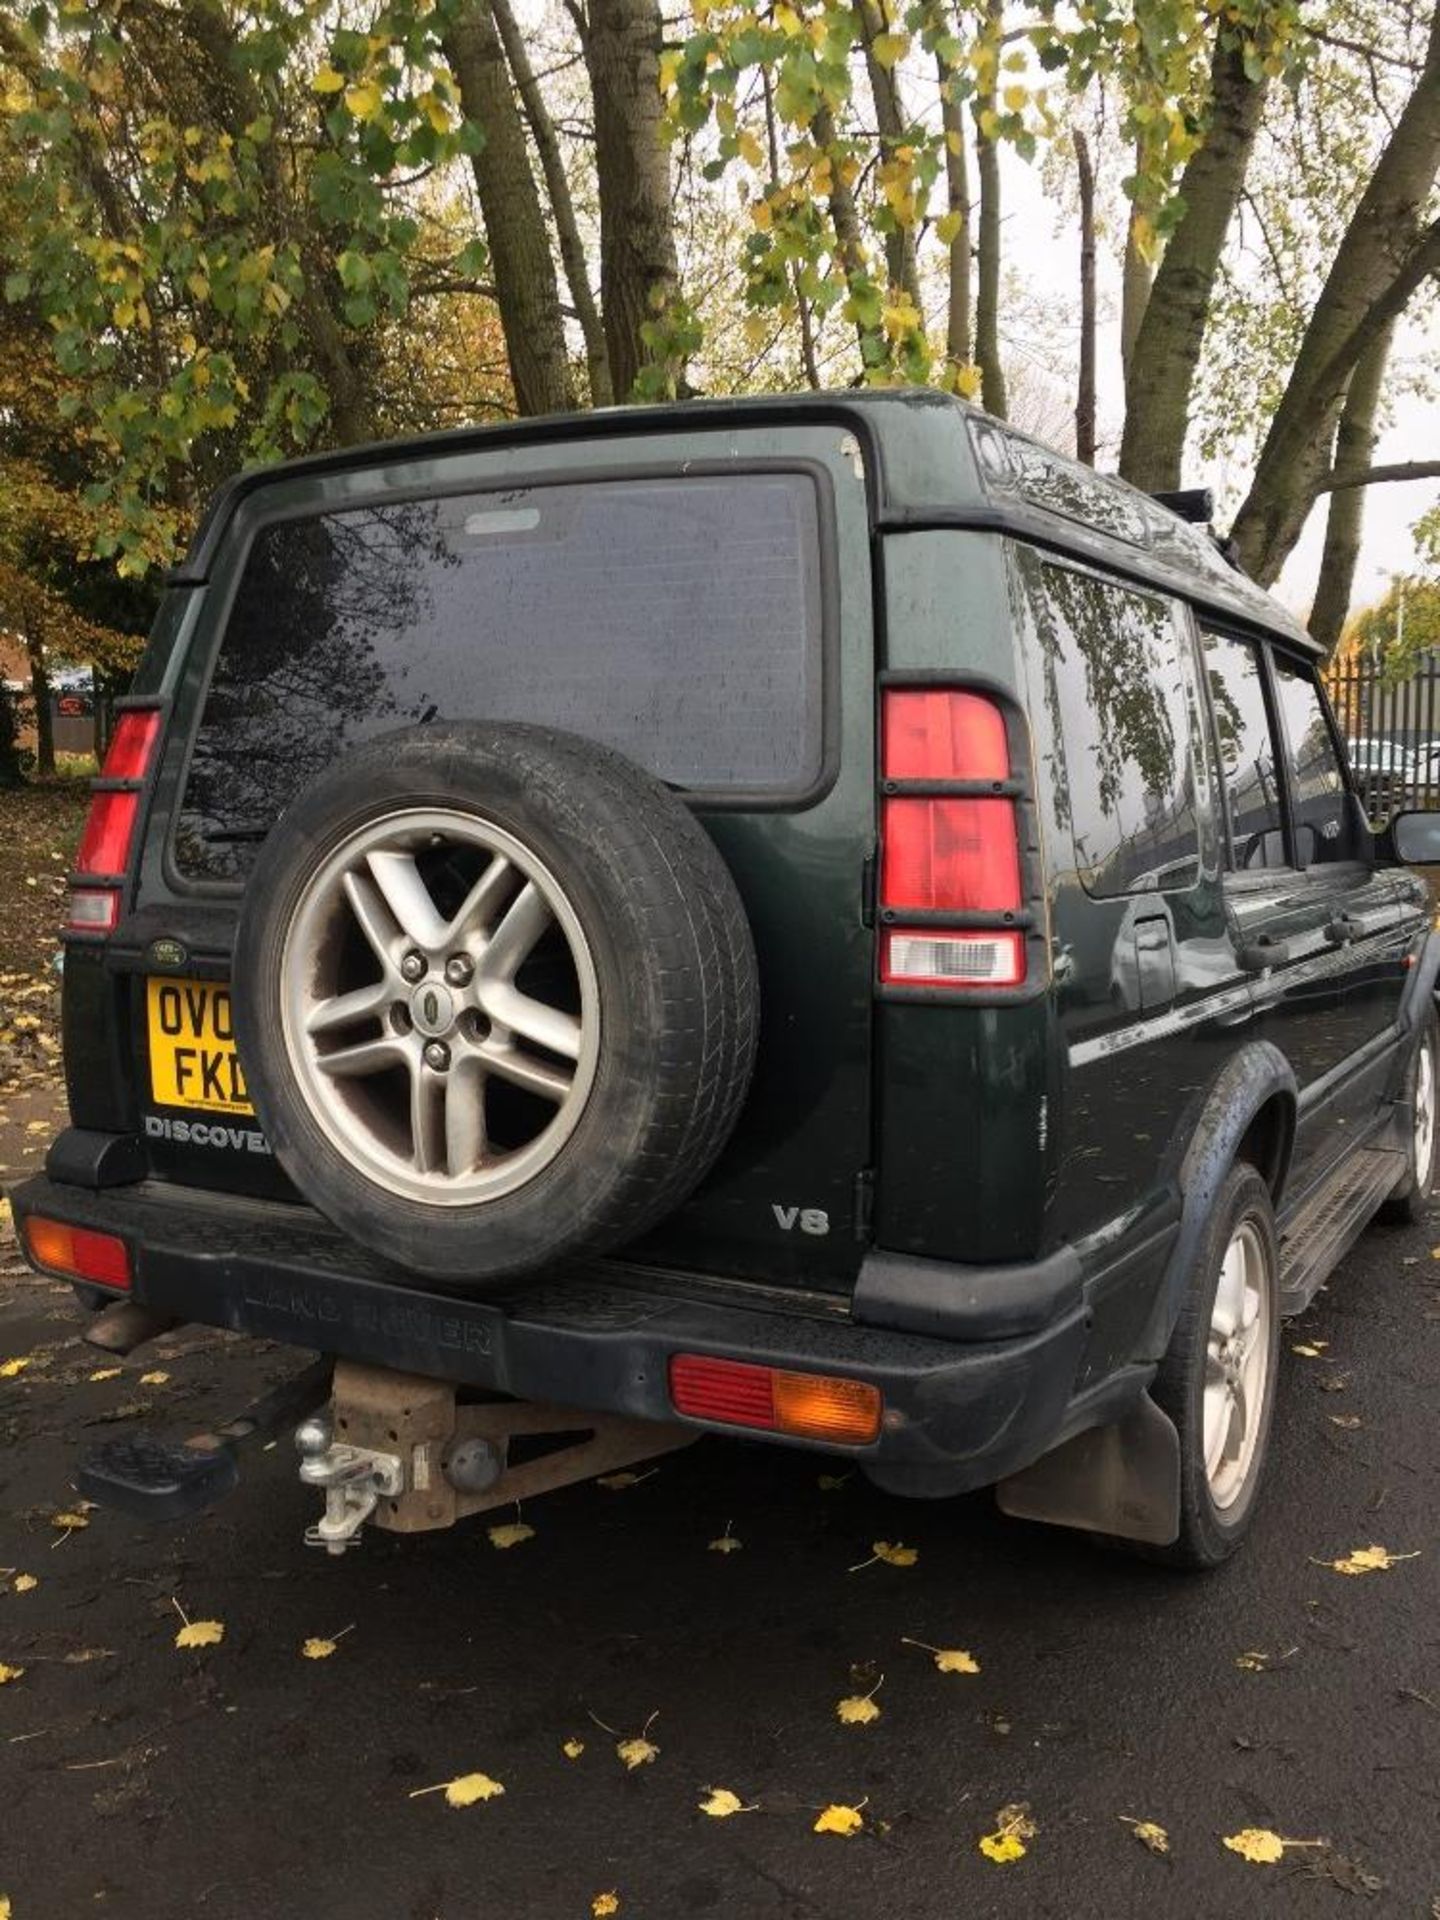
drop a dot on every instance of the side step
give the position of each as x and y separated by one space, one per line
153 1479
1332 1220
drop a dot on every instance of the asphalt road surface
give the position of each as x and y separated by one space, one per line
243 1781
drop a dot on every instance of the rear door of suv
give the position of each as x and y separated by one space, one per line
702 602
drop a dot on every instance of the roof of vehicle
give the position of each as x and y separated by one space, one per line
934 461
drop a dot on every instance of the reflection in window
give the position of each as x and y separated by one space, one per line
677 620
1247 754
1319 782
1125 729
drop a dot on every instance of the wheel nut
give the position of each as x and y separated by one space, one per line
437 1055
413 966
459 969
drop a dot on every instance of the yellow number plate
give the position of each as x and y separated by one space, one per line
192 1047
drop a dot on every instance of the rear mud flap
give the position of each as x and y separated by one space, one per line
1123 1480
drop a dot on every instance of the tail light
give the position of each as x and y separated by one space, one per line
811 1406
108 841
78 1252
950 870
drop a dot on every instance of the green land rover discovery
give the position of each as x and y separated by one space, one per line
816 918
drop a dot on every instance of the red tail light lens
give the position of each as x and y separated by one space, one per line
108 841
952 852
105 843
950 856
131 744
943 733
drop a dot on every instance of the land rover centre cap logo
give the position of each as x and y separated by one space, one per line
432 1010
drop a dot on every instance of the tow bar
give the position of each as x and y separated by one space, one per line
400 1450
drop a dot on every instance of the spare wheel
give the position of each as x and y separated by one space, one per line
495 997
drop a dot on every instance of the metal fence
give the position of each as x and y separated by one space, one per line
1392 728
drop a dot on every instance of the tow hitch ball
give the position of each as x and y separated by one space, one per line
354 1478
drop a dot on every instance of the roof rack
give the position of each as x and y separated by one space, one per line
1195 504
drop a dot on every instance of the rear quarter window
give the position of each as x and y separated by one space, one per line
1124 728
678 620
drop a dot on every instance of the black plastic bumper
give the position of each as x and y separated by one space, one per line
957 1415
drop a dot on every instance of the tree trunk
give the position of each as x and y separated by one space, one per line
1382 260
987 291
1085 391
525 287
844 216
10 774
40 700
562 206
957 198
1137 278
1354 449
802 305
1168 342
890 123
639 276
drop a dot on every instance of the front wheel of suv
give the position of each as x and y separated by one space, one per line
1408 1203
1217 1380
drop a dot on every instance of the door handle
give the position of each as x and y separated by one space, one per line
1259 954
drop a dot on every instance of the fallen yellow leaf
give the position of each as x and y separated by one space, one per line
1311 1349
955 1660
1256 1844
201 1633
1013 1827
317 1649
156 1379
638 1752
464 1790
37 1126
858 1709
4 1906
1368 1560
1252 1662
891 1552
841 1820
1348 1421
720 1803
616 1481
107 1373
24 1583
511 1534
7 1674
947 1659
9 1369
573 1748
69 1520
1148 1834
727 1543
605 1903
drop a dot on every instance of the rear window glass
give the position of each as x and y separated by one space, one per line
677 620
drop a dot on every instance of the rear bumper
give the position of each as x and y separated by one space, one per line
957 1414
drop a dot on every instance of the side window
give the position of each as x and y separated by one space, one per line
1317 778
1124 722
1249 765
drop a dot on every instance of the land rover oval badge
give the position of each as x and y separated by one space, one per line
166 955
